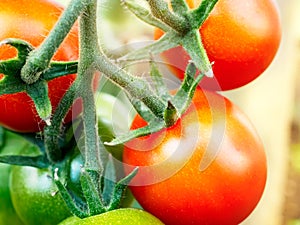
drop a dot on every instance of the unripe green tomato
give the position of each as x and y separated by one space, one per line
35 196
13 145
124 216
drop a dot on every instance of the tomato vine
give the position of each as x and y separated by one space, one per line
31 70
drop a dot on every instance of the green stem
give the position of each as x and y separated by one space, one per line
91 55
39 59
86 69
52 133
179 6
145 15
192 43
134 86
201 13
160 9
92 157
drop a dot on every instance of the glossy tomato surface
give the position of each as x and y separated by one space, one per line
35 197
32 21
208 168
241 39
13 145
124 216
34 194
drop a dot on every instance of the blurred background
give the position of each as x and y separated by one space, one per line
272 103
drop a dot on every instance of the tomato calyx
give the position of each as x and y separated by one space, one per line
176 104
180 26
100 191
97 191
11 81
109 198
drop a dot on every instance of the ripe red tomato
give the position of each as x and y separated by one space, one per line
32 21
208 168
241 40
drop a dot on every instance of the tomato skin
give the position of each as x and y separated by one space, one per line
122 216
208 168
34 194
34 197
13 145
32 22
240 39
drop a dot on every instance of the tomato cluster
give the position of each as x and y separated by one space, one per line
209 167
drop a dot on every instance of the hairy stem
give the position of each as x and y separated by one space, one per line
39 59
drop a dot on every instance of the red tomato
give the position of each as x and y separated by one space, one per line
241 40
32 21
208 168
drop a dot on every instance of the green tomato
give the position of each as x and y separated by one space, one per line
124 216
35 196
13 145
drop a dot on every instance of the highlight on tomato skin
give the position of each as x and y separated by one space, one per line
208 168
32 22
241 41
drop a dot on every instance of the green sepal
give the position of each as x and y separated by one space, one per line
185 93
201 13
25 159
154 126
71 204
192 43
34 139
58 69
23 47
119 189
171 114
11 84
90 191
182 94
158 82
39 161
169 40
142 109
185 33
109 180
160 9
38 92
144 14
93 206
